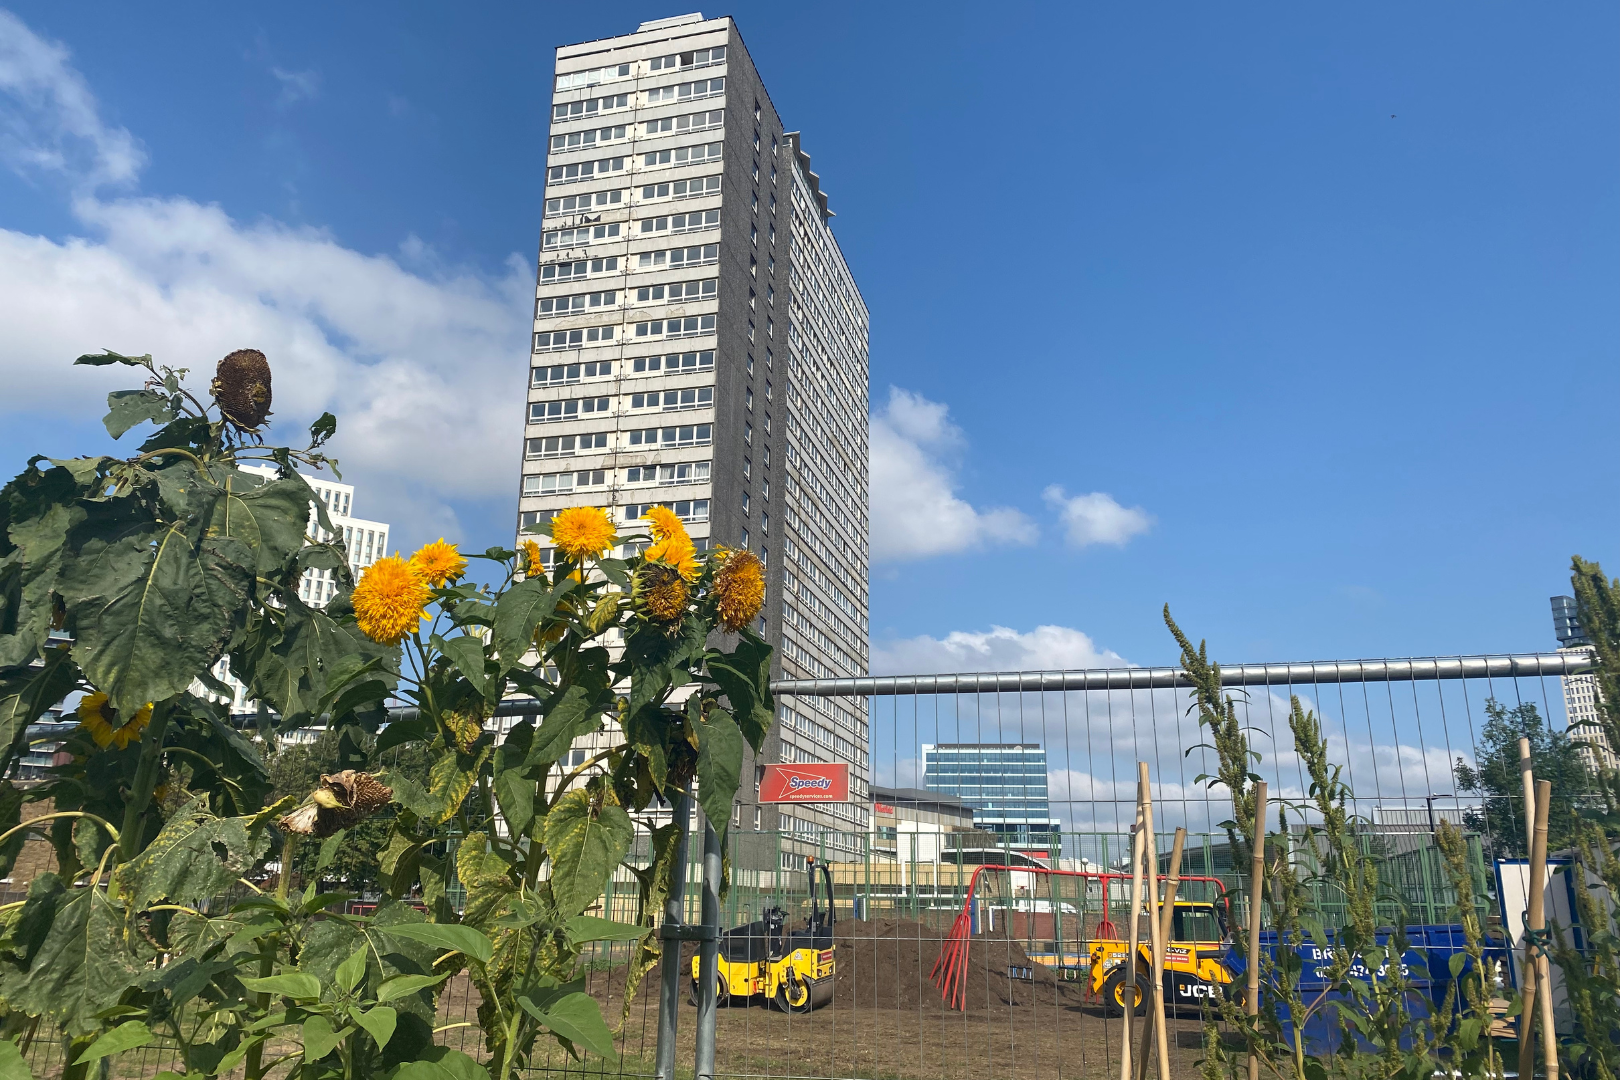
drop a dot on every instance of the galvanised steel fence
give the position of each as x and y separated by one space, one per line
1399 729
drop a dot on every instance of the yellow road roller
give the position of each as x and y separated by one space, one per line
791 969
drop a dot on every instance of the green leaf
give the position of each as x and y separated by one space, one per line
322 429
107 356
400 985
514 787
744 676
320 1039
458 1065
585 844
29 695
126 1036
270 517
577 1018
13 1066
195 856
379 1023
329 850
231 1060
81 966
294 984
450 937
719 768
467 654
518 611
399 732
126 408
583 928
28 576
351 971
148 613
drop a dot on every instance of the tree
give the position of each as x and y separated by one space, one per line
1495 775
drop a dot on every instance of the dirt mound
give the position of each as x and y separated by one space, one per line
886 964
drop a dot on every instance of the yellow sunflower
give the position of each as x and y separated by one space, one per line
740 589
97 719
390 600
677 551
663 523
582 532
439 562
662 592
529 559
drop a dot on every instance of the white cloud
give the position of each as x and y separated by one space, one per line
916 512
1096 518
53 125
1045 648
296 86
423 367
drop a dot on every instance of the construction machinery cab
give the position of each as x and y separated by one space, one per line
791 969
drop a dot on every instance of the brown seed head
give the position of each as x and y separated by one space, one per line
241 386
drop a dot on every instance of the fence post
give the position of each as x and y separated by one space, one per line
708 952
672 933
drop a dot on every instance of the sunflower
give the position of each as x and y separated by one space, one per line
663 523
390 601
530 559
582 532
97 719
662 592
676 551
739 587
439 562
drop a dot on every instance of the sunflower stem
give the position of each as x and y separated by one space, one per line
146 777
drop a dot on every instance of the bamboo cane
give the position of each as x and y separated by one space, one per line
1257 881
1129 1002
1166 921
1527 968
1537 921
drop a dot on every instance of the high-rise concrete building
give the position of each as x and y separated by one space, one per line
1581 691
700 343
1004 783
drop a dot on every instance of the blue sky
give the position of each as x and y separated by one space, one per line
1311 314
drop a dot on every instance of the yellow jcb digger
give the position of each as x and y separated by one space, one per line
791 969
1193 972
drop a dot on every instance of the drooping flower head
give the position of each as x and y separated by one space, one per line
739 588
529 561
582 532
241 386
662 592
663 523
104 724
439 562
391 600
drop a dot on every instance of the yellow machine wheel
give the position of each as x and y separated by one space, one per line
1117 992
793 996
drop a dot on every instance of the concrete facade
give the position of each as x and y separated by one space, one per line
700 342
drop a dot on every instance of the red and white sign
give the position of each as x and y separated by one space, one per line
804 784
882 808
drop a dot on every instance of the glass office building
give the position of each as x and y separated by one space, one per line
1004 783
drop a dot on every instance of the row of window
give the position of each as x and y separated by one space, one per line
695 59
549 306
545 412
562 374
586 140
679 292
671 437
690 361
580 237
683 155
698 121
682 189
552 483
686 472
566 445
570 271
576 79
686 509
693 326
672 400
583 170
687 91
556 340
696 221
697 255
580 204
574 110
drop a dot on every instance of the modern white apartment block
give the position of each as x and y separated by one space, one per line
366 542
1581 696
699 342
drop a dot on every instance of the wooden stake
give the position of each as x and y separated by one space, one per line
1129 1003
1166 923
1537 921
1528 966
1257 884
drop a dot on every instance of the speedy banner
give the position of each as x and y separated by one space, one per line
804 784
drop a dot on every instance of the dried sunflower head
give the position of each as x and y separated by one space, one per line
739 589
241 386
661 592
341 800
